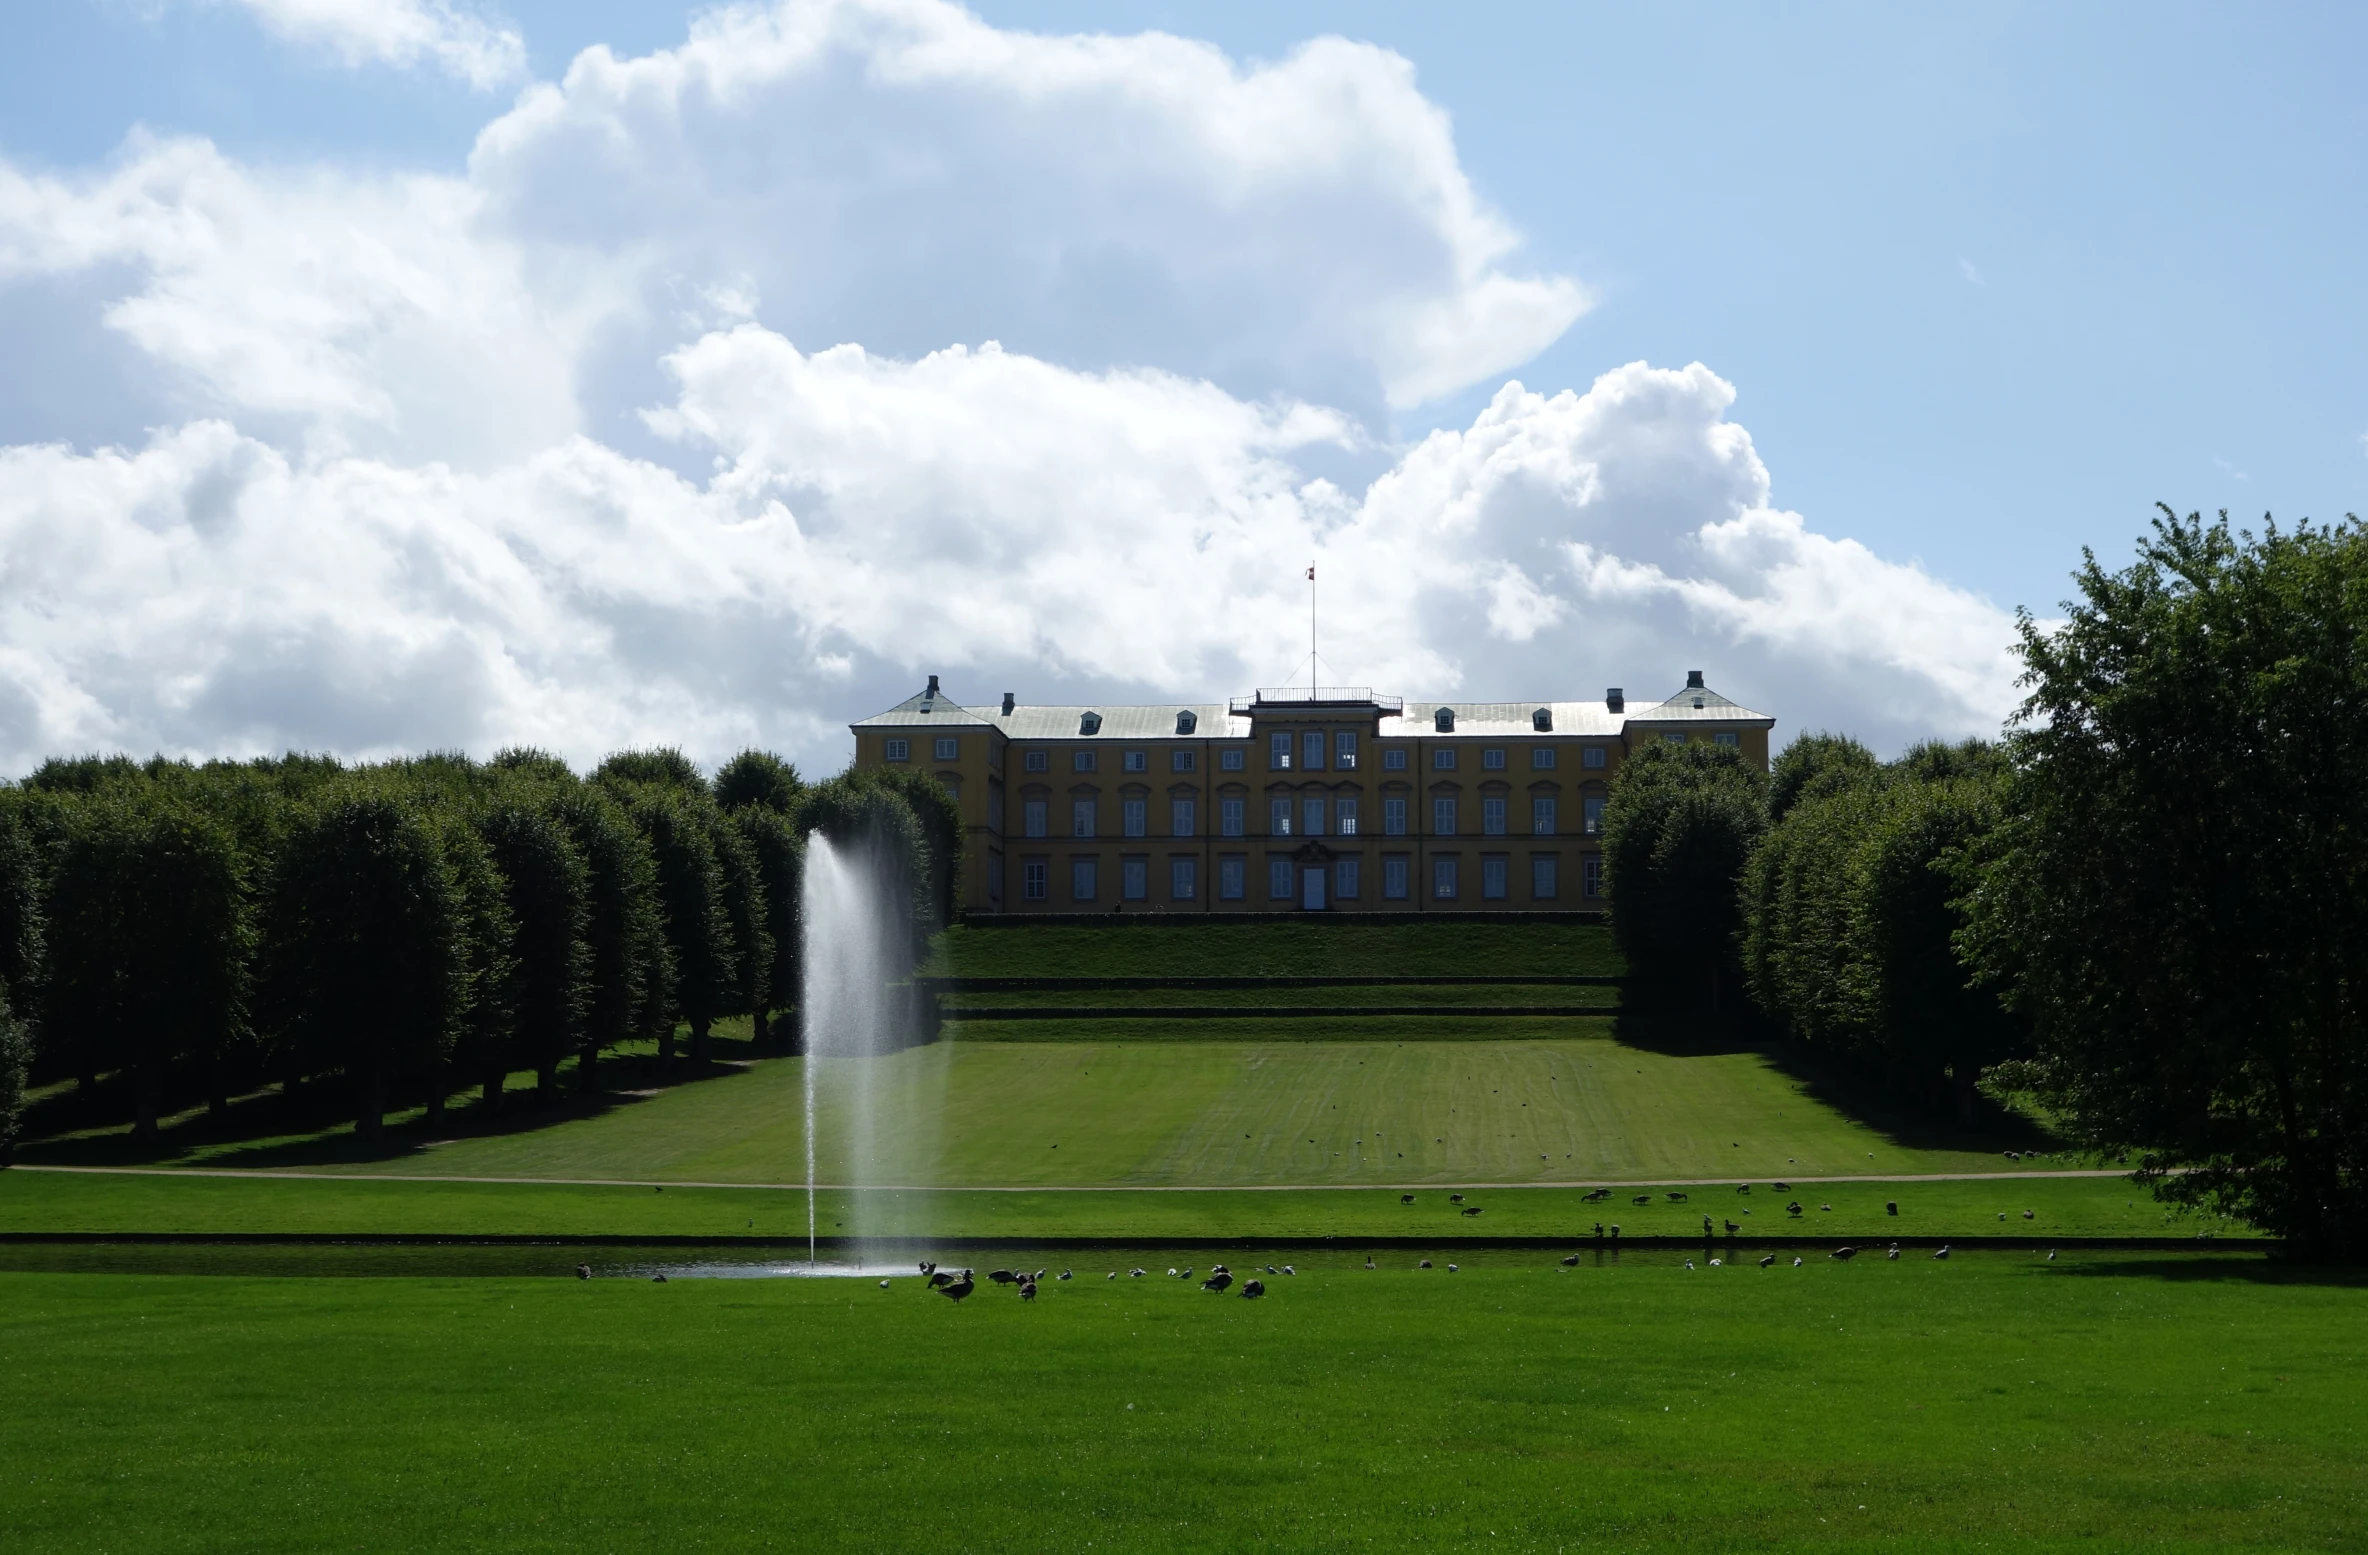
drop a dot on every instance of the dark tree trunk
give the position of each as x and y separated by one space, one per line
371 1122
760 1029
666 1047
588 1070
148 1086
699 1039
546 1082
494 1080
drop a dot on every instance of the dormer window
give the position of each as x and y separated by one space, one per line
1089 723
1187 721
1444 720
1542 720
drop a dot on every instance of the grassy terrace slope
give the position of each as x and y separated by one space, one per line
1988 1403
1285 949
1132 1112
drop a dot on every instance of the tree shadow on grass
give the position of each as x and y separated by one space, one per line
314 1126
1688 1030
2261 1268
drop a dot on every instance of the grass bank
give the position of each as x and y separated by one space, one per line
1284 948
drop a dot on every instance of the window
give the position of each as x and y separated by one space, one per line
1443 759
1541 815
1133 816
1032 884
1081 818
1232 760
1136 761
1591 877
1344 816
1592 809
1183 879
1345 883
1036 761
1674 739
1344 749
1083 761
1541 877
1280 877
1443 816
1492 878
1443 879
1595 757
1278 750
1134 879
1311 750
1278 818
1233 878
1727 738
1393 759
1393 877
1492 816
1081 879
1541 758
900 750
1230 819
1180 818
1182 761
1393 816
1036 819
952 786
1311 816
1493 759
948 748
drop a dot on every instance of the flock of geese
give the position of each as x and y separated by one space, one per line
956 1285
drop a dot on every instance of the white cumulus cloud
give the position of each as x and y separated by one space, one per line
729 390
401 33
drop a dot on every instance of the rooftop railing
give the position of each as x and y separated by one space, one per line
1314 696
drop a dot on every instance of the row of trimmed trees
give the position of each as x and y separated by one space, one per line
2146 908
405 929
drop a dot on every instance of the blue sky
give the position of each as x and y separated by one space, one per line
1986 283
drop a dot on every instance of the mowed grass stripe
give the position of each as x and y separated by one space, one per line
1260 998
1276 949
36 1204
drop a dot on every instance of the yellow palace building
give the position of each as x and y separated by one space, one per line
1297 799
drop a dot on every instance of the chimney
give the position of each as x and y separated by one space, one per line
1008 699
1693 680
931 693
1614 700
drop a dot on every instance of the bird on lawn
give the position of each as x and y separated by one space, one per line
2051 1255
1287 1269
883 1285
1451 1268
927 1269
1732 1228
657 1279
1217 1281
1943 1253
1893 1255
1003 1276
1253 1290
1027 1290
1796 1263
1064 1274
1844 1254
960 1289
1368 1260
1455 1198
1768 1261
1571 1262
1426 1263
1112 1275
1271 1269
1471 1209
583 1271
1405 1198
938 1278
1134 1274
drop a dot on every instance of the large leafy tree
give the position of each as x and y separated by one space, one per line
2177 899
368 949
758 779
20 906
631 970
680 826
16 1063
1680 823
149 939
779 860
547 888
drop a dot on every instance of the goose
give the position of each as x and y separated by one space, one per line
1943 1253
1252 1290
1571 1262
1768 1262
1064 1274
1217 1281
1796 1263
1843 1254
1287 1269
1471 1209
1893 1254
883 1285
1426 1263
938 1278
1455 1198
583 1271
1451 1268
1027 1290
1405 1198
1004 1277
960 1289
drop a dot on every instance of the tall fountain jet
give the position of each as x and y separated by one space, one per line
856 1008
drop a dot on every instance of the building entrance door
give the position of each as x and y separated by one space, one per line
1311 887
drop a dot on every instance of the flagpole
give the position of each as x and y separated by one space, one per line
1311 631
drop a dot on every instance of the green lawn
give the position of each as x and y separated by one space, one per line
1249 1111
1989 1402
51 1202
1287 948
